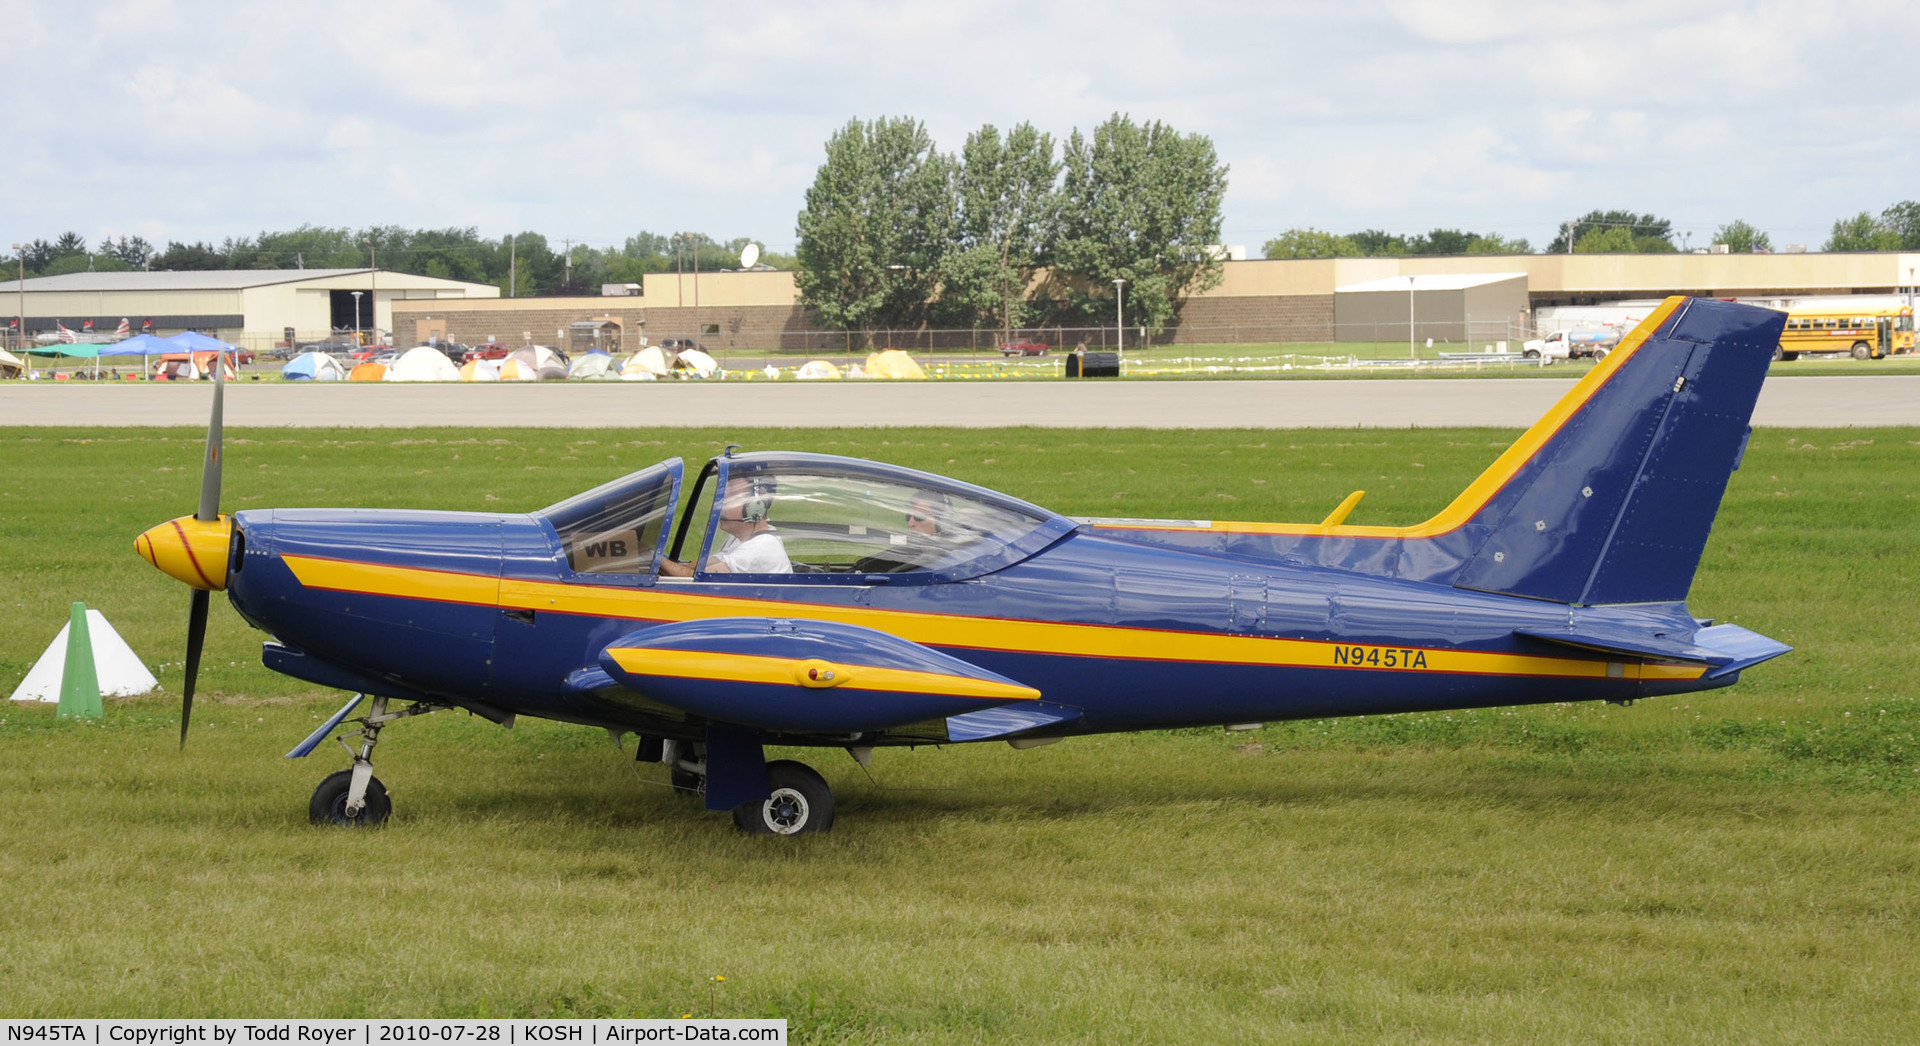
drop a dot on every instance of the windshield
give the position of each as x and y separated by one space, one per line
617 527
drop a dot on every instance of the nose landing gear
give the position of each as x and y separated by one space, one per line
355 798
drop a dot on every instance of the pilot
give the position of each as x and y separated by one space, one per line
751 547
927 513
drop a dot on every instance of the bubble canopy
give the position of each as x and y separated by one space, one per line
841 521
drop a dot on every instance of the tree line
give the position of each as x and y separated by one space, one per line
526 264
1600 232
1014 230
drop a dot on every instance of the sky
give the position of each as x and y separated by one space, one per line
195 120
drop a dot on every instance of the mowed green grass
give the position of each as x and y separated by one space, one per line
1736 866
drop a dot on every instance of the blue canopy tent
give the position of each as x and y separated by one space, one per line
140 345
194 341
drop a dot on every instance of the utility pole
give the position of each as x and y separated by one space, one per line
568 244
1119 328
20 253
697 329
513 266
373 291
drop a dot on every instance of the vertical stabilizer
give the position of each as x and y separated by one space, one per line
1621 482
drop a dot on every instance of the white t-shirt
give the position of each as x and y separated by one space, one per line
763 553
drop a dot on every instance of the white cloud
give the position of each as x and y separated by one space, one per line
192 118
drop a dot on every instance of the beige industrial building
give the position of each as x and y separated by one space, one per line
1255 301
251 307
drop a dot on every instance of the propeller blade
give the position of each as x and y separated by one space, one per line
196 636
210 467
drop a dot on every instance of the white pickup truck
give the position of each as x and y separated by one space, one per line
1566 344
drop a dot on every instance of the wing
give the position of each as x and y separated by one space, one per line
802 676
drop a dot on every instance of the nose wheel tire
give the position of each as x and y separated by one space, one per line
801 803
329 804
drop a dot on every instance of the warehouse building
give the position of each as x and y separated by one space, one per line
1474 299
249 307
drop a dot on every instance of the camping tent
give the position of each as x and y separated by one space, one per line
594 366
480 370
647 364
818 370
190 366
422 363
701 364
533 363
368 371
313 366
894 364
10 365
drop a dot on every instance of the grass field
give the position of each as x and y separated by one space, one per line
1729 867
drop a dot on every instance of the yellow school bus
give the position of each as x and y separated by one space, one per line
1867 332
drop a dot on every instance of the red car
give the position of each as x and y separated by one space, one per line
492 350
1024 348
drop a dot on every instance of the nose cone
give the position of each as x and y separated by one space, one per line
192 550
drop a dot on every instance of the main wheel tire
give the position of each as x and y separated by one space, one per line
1532 354
801 803
1778 354
1862 351
329 803
1600 354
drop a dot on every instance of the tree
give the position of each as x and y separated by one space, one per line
1008 205
1742 238
1616 239
132 250
1862 232
1903 220
1442 241
878 221
69 244
1495 244
1311 243
1650 234
189 257
1139 203
1374 242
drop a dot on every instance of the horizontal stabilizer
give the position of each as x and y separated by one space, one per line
1742 648
1007 720
1728 648
801 676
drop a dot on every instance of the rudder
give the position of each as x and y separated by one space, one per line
1616 504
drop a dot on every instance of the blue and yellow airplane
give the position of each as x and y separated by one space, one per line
807 599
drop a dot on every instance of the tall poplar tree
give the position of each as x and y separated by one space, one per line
878 223
1139 203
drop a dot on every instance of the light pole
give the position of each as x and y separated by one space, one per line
1119 323
1411 354
356 313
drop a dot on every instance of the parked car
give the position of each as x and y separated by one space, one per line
1024 348
492 350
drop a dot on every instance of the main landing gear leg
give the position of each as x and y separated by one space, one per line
355 797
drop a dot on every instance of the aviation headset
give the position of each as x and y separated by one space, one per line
758 502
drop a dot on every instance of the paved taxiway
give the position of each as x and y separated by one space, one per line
1785 402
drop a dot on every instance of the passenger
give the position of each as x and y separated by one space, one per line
751 547
927 513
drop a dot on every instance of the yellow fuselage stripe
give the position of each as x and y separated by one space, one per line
753 668
1497 475
663 603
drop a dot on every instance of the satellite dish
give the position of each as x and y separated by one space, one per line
749 255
